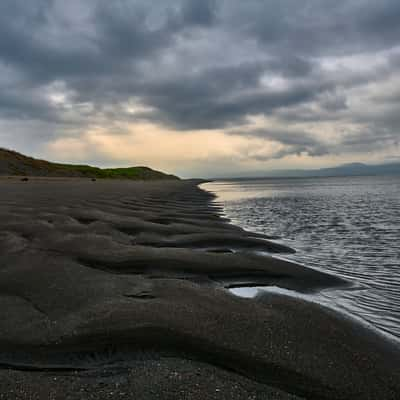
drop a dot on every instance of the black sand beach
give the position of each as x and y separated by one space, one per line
118 289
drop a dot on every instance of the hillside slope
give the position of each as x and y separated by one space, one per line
13 163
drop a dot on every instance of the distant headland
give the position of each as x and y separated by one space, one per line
13 163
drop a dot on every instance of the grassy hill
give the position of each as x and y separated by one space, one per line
13 163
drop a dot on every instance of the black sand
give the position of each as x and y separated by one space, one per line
117 289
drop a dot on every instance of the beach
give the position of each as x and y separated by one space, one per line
119 289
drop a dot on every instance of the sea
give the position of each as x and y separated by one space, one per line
346 226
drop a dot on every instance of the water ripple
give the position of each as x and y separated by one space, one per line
348 226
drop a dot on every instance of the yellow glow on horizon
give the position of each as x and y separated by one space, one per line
149 144
190 153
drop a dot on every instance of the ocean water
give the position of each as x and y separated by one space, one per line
348 226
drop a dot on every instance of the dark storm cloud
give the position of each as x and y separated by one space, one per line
295 142
24 45
200 64
371 139
315 26
199 12
121 28
219 97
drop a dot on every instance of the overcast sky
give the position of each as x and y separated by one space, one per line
201 87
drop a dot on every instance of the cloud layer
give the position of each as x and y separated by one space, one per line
201 87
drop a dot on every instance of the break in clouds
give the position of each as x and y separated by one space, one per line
201 87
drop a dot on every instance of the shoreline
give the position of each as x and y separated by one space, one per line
106 275
338 299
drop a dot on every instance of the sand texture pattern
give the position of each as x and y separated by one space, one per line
118 289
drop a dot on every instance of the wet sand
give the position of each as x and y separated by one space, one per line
118 289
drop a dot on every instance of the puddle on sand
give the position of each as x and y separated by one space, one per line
252 292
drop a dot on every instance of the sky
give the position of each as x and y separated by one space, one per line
201 88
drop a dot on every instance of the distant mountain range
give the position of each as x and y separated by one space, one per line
353 169
13 163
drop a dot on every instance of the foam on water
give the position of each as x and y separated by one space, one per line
348 226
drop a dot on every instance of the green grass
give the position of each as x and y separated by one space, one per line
13 163
116 173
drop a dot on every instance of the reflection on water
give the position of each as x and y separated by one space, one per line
349 226
251 292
